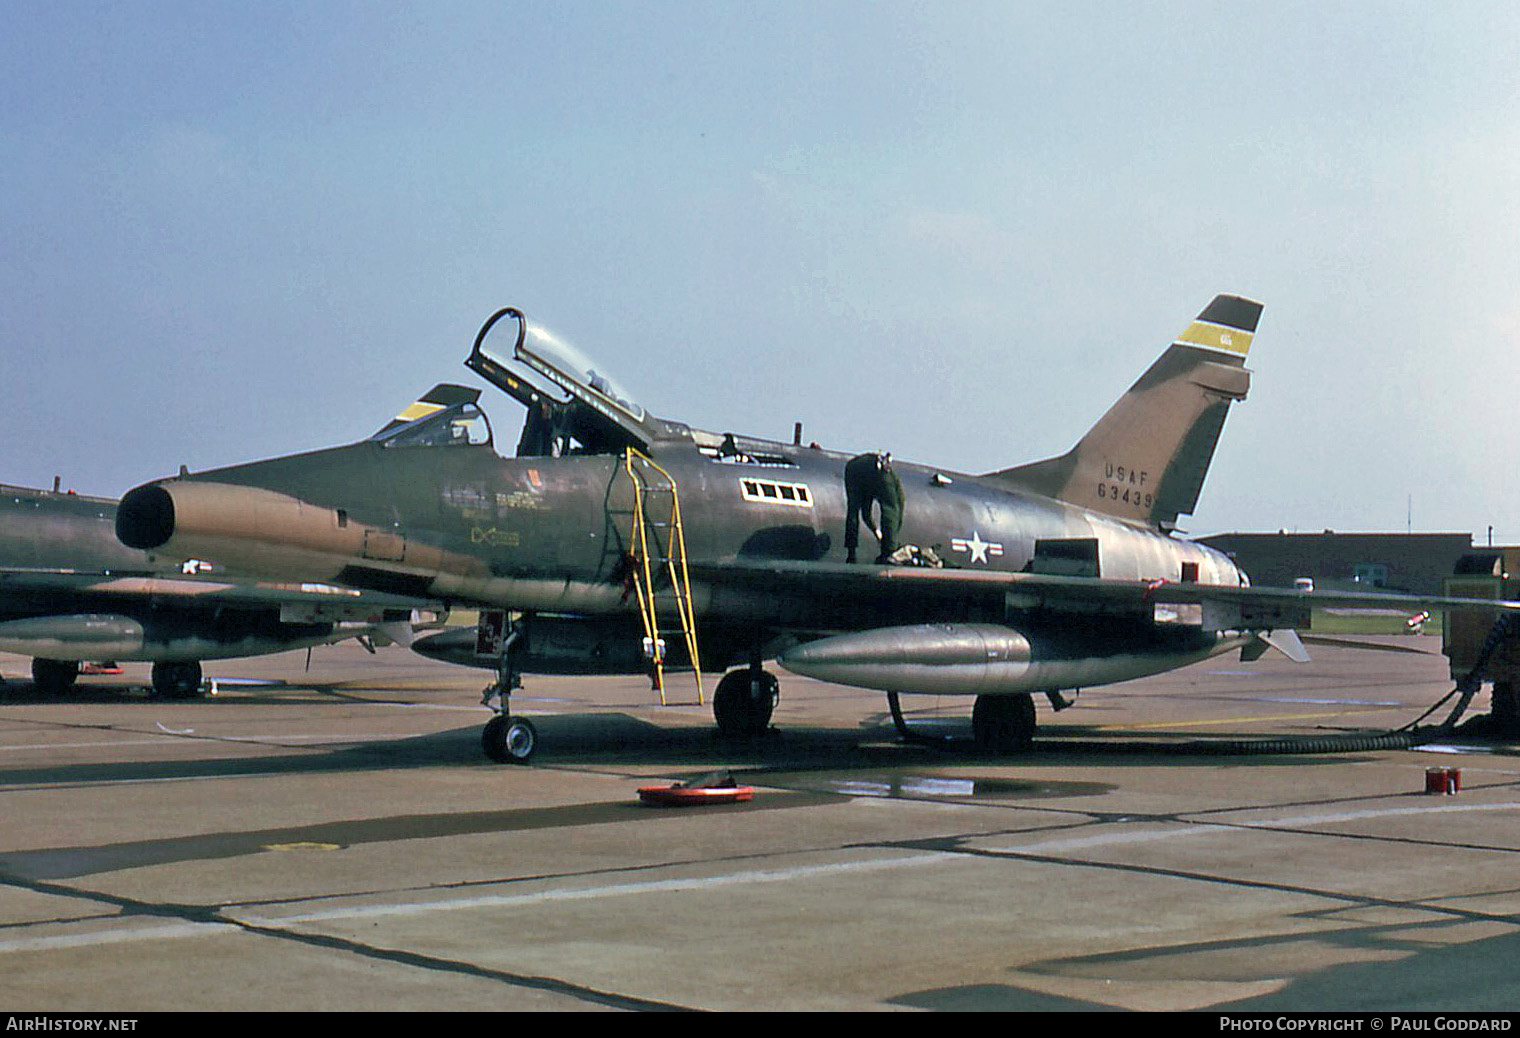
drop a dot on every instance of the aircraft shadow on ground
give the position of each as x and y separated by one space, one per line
569 739
1407 967
610 739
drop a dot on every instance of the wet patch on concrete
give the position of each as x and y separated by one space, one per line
921 786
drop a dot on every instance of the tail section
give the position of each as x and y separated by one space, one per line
438 398
1146 458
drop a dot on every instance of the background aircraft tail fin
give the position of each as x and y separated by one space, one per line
1146 458
434 400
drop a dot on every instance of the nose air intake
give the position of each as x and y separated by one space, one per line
145 518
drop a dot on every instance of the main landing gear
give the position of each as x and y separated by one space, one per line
745 700
1003 724
179 679
54 677
172 679
999 724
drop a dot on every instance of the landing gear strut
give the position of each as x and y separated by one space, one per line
507 739
744 701
1003 724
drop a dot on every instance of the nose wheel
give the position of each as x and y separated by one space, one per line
506 739
509 740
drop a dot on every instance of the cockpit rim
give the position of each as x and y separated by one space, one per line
420 432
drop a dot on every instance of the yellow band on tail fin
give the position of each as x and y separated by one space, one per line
1227 325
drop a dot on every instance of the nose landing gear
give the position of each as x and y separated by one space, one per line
509 740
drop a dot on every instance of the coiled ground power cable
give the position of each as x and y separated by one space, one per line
1404 738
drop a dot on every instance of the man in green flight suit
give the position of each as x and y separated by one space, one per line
868 480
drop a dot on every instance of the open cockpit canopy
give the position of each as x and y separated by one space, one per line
574 405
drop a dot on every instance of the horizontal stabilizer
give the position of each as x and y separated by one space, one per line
400 632
1287 642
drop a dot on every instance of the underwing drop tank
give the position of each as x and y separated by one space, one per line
931 659
991 659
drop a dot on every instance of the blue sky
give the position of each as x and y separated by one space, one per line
954 230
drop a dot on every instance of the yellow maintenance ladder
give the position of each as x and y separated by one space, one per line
657 551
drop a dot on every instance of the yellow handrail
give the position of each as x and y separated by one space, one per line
675 562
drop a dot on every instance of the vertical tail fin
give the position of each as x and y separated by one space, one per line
1146 458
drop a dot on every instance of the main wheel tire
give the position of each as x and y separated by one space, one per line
177 680
509 740
744 701
1004 724
54 677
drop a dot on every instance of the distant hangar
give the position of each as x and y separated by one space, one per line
1418 563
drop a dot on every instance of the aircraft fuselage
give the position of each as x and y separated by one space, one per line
553 535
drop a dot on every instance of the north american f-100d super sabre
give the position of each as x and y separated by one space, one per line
619 542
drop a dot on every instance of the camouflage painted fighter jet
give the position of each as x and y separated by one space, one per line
71 592
620 542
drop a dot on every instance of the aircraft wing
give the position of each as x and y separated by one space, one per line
324 601
73 614
1219 607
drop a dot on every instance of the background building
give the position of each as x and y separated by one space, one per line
1414 562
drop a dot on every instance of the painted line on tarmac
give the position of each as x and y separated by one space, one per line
121 936
1387 812
243 922
750 877
1185 830
1084 843
169 737
665 886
